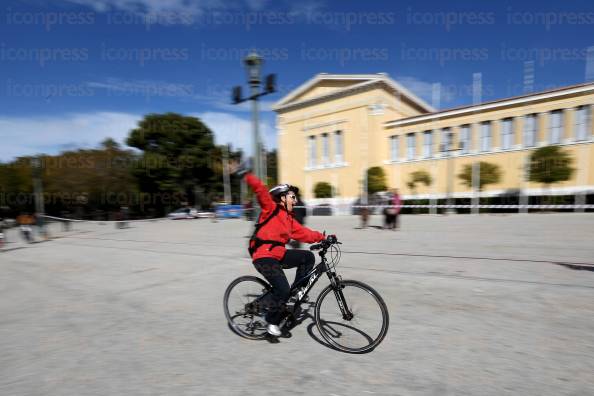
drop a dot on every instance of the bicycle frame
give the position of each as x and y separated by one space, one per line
309 280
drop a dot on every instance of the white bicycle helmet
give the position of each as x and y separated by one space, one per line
281 189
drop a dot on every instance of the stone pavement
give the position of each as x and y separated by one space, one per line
478 305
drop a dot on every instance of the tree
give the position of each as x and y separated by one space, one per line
323 190
179 157
91 180
16 186
420 176
78 181
489 174
271 167
549 165
376 180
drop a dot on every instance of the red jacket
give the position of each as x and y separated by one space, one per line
280 228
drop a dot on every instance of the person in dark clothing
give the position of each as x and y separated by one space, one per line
267 245
300 214
393 210
1 232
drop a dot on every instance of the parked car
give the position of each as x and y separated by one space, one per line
205 215
7 223
183 213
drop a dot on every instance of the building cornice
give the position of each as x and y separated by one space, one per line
324 124
494 105
369 82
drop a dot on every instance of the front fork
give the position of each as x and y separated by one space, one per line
337 286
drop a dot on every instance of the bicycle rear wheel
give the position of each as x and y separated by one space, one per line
243 307
359 333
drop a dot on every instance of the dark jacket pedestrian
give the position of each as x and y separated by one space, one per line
392 211
300 212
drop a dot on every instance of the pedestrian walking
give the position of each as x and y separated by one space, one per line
392 211
25 222
2 232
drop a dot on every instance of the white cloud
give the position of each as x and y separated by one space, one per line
52 134
423 89
436 94
151 6
306 8
144 88
188 12
219 99
20 136
229 128
193 7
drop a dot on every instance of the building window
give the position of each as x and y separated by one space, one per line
446 139
486 136
583 118
507 133
311 150
465 139
394 148
556 127
338 147
410 146
325 149
530 130
427 144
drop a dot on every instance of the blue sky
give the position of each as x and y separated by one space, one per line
76 71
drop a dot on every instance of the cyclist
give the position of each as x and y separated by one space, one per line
276 226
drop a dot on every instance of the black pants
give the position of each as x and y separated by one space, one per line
272 270
391 221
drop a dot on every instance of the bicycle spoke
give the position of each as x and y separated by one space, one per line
367 326
241 299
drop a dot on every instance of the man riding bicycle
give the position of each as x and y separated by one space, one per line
276 226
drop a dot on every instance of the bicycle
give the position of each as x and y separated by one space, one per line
338 320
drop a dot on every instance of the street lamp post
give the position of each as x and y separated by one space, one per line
253 64
36 167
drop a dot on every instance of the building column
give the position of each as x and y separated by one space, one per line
475 137
518 127
591 121
568 125
496 138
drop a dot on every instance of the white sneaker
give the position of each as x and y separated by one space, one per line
273 330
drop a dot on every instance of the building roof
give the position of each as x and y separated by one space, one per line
361 81
492 105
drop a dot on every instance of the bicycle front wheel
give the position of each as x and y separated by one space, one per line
360 324
243 306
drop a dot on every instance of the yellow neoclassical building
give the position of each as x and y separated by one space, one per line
334 127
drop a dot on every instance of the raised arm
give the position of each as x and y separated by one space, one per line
262 194
244 170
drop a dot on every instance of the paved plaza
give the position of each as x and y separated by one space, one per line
479 305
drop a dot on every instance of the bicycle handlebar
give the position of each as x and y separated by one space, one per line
326 243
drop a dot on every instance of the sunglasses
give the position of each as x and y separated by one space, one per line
293 197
